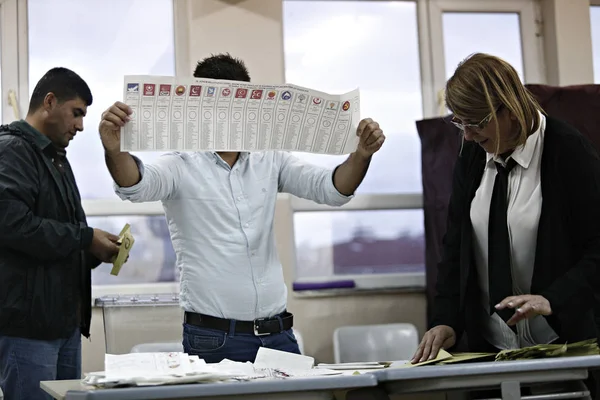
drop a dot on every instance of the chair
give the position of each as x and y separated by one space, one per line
389 342
169 347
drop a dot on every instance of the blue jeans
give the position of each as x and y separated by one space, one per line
26 362
214 345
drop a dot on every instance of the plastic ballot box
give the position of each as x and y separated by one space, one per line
136 319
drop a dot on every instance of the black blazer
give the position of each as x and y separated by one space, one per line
568 243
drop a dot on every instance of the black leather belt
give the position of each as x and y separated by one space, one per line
258 327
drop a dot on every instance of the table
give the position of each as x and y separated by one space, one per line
506 375
321 387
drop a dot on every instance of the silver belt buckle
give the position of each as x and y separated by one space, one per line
255 326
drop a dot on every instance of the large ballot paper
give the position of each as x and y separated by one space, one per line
193 114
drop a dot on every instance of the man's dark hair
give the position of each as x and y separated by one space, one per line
64 83
222 66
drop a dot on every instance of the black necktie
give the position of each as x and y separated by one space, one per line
499 271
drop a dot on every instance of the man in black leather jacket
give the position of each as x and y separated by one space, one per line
47 250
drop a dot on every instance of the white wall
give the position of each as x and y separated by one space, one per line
248 29
567 42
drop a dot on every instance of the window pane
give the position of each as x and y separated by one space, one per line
359 242
595 20
101 40
337 46
152 258
498 34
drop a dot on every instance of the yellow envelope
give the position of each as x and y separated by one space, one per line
126 241
463 357
442 355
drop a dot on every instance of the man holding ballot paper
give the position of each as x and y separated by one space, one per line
220 208
47 250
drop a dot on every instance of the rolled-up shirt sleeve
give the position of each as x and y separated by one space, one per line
159 180
308 181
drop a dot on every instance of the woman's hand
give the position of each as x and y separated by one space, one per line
442 336
526 305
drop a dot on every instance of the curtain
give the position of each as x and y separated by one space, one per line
440 144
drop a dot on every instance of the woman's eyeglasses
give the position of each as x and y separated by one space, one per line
478 127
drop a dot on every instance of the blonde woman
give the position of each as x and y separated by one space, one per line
522 247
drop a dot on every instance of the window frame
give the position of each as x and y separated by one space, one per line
595 4
531 39
15 68
112 206
14 59
115 206
14 64
365 282
370 202
431 54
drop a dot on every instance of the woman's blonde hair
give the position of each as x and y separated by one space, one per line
481 85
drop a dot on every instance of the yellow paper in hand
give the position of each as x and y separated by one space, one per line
126 241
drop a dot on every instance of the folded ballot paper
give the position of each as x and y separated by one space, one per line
152 369
584 348
126 241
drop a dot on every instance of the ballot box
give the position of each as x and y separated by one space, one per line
130 320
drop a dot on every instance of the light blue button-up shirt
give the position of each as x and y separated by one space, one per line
221 224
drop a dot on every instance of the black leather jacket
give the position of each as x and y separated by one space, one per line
45 268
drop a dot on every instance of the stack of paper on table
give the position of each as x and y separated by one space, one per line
584 348
145 369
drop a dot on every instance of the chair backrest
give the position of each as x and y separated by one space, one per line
389 342
170 347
